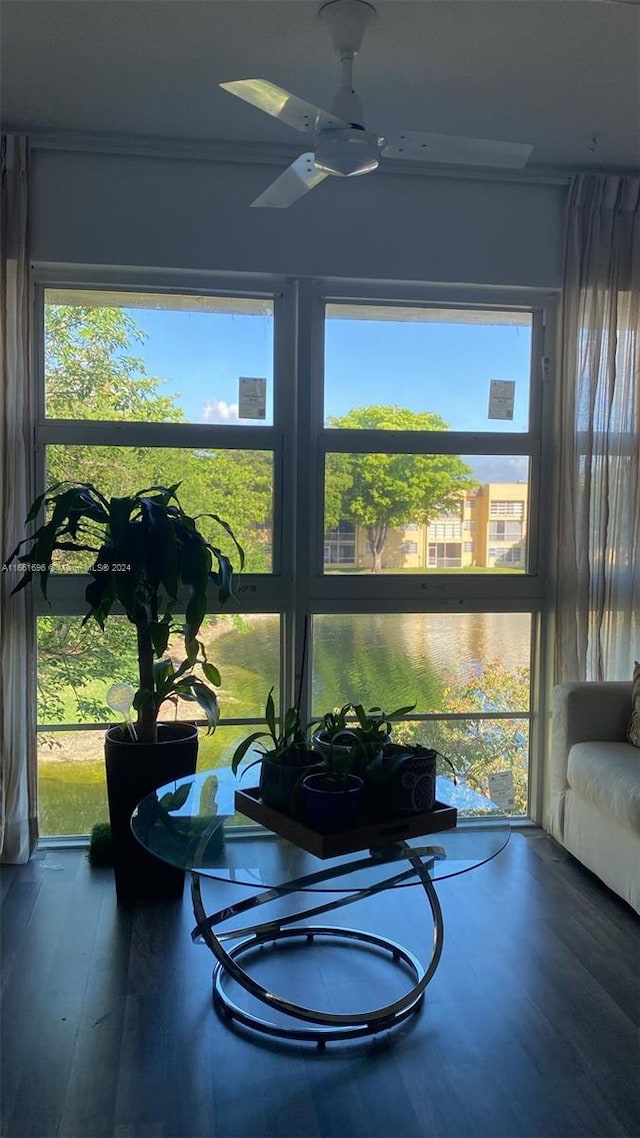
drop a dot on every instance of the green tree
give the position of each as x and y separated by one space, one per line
241 485
91 371
383 491
70 660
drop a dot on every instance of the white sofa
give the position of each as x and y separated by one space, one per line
595 783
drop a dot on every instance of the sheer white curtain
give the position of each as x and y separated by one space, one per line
598 434
18 810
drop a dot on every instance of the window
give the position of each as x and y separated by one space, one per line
340 544
438 364
142 388
389 509
505 531
157 358
501 556
472 667
500 509
75 669
445 529
443 555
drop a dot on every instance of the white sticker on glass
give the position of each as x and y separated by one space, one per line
501 398
501 789
252 398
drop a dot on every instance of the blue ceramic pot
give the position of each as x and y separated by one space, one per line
328 808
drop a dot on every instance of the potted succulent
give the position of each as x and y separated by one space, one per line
148 557
283 761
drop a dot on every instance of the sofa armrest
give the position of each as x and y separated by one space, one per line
590 712
583 712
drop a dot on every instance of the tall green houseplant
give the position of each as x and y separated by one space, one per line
147 556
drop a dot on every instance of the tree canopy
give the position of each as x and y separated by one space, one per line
384 491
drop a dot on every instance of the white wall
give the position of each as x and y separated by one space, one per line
97 209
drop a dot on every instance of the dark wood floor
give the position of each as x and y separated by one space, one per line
530 1027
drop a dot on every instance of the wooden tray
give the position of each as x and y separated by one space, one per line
442 817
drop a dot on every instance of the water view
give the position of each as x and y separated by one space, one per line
476 663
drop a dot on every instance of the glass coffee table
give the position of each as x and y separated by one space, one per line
192 824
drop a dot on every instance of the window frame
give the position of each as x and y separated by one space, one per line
298 587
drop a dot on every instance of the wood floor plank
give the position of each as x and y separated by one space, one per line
529 1028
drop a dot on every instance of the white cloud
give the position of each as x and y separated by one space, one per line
217 411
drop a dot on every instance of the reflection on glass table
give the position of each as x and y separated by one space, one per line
190 824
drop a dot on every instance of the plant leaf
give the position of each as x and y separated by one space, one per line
270 716
243 747
173 800
212 673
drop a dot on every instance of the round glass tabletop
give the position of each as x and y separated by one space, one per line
192 823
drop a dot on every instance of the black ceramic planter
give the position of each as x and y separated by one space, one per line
280 782
402 783
134 770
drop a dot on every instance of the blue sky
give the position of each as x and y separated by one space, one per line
445 367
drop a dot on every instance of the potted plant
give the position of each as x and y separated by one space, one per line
352 737
348 739
147 556
401 781
283 762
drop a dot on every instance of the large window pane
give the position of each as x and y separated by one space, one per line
154 358
417 513
449 664
409 368
77 665
235 484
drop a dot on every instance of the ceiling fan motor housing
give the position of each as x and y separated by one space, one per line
347 151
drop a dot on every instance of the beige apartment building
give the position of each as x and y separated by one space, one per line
488 530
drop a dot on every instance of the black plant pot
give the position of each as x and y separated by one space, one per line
134 770
280 782
403 784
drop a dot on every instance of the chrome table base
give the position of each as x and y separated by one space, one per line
323 1026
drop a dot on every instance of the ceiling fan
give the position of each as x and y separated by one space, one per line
343 145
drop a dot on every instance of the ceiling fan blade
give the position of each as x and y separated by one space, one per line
455 150
282 104
300 177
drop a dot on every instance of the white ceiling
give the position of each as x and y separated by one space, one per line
561 74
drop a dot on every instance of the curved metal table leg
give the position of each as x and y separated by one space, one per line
325 1026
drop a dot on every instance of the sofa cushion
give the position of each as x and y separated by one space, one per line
608 775
633 732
